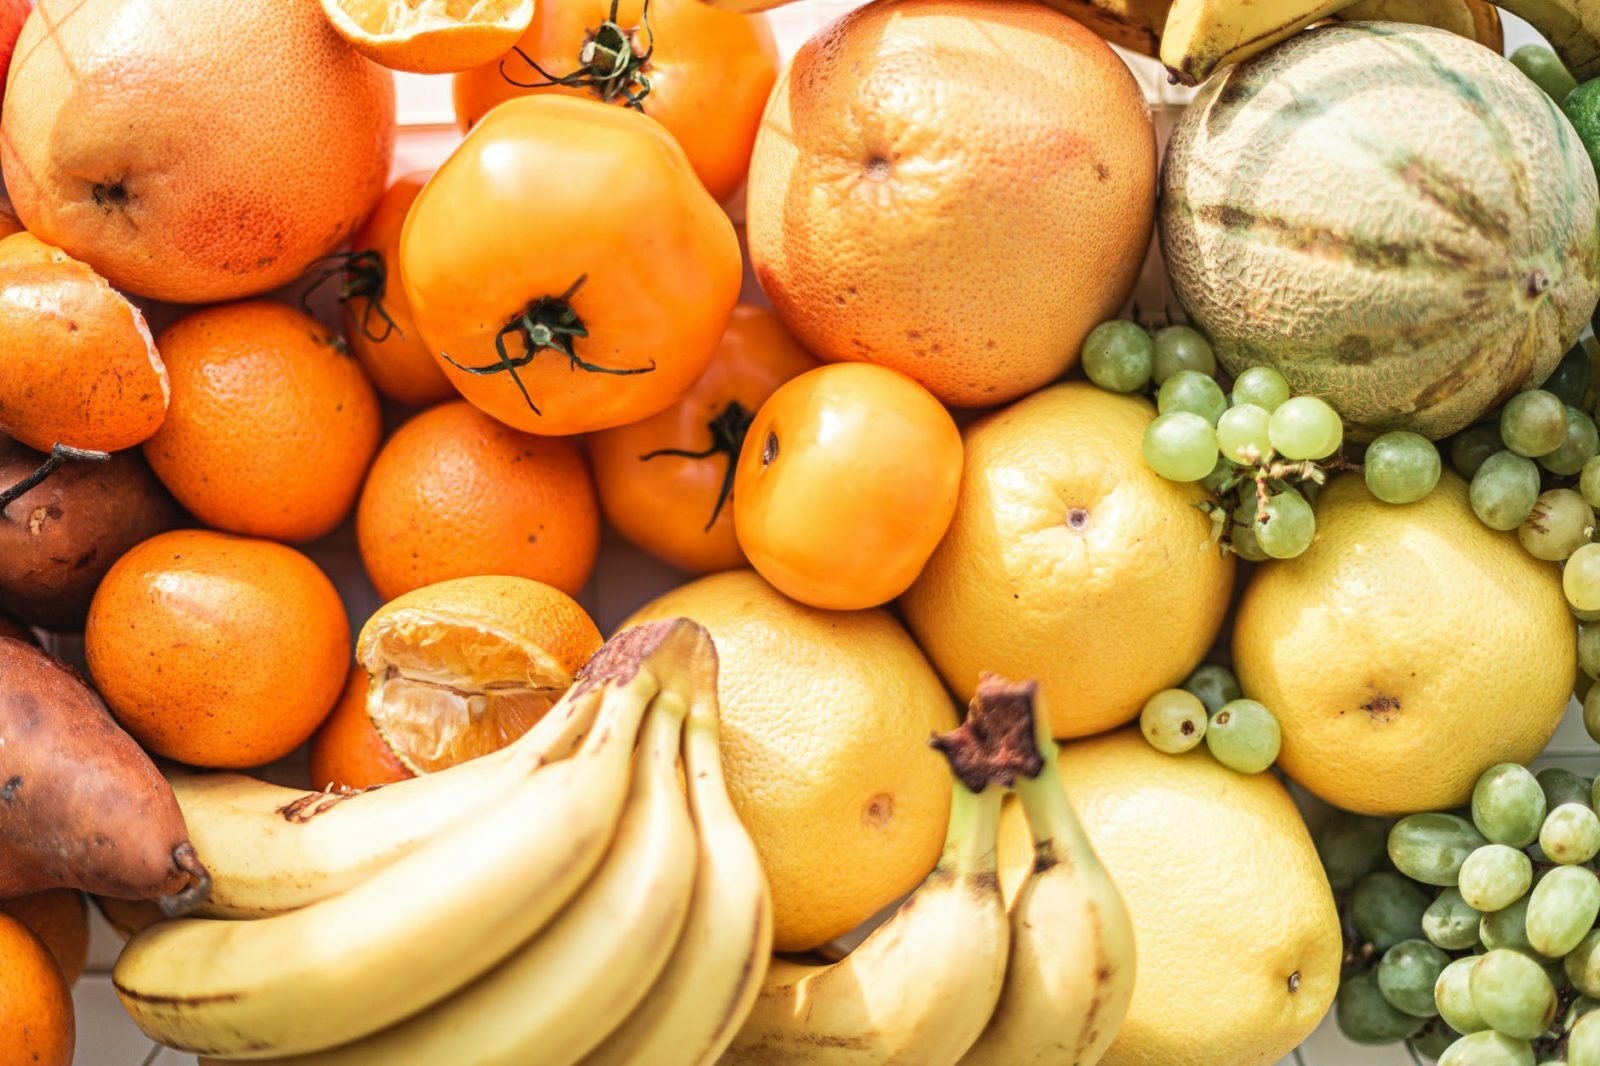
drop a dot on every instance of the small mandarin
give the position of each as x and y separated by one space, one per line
36 1019
346 752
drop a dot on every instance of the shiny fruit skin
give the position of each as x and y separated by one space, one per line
36 1018
847 480
568 211
664 504
346 751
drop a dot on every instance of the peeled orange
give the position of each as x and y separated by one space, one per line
430 36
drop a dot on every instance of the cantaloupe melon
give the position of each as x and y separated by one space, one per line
1393 216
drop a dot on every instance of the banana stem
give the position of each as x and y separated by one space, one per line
1055 826
969 845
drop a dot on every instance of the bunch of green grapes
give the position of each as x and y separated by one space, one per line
1472 936
1241 734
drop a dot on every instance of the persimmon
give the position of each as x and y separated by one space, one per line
567 267
704 74
665 482
847 480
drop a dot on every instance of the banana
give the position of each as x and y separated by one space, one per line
1070 974
273 849
1571 26
919 990
710 983
1476 20
1132 24
418 930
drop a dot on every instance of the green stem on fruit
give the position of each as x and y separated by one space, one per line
612 61
362 276
58 455
728 430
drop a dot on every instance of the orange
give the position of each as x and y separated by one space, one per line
59 917
958 189
455 493
272 424
217 650
704 74
36 1021
463 668
432 37
846 482
171 163
377 316
665 481
347 752
79 367
567 267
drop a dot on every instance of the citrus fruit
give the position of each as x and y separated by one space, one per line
59 917
80 367
1070 561
567 268
143 139
705 74
1237 938
36 1021
433 37
217 650
846 482
462 668
272 424
665 481
916 203
825 723
1407 651
377 316
455 493
346 751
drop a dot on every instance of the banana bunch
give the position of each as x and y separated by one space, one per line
587 895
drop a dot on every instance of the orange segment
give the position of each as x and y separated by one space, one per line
463 668
430 36
347 752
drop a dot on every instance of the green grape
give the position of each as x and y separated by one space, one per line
1214 684
1488 1049
1495 877
1570 379
1583 1041
1589 648
1401 467
1352 846
1560 524
1508 805
1545 69
1432 1041
1591 717
1386 909
1245 545
1262 386
1406 976
1449 923
1582 964
1244 736
1288 526
1580 578
1365 1017
1584 616
1508 928
1470 447
1452 995
1242 434
1304 427
1180 446
1311 490
1219 475
1118 356
1563 907
1581 443
1560 786
1533 423
1571 834
1431 847
1194 392
1513 994
1581 684
1504 490
1589 482
1179 348
1173 721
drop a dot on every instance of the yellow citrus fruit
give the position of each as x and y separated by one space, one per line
1408 650
430 36
1238 939
826 717
462 668
1070 561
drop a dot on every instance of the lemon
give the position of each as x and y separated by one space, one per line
826 717
1408 650
1237 937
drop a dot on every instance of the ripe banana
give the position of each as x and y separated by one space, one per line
710 983
416 931
919 990
273 849
1070 974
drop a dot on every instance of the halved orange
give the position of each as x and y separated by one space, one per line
462 668
430 36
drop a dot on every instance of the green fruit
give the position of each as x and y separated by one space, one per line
1214 684
1431 847
1449 923
1488 1049
1406 976
1181 348
1508 806
1452 995
1582 107
1365 1017
1118 356
1173 721
1546 69
1513 994
1386 909
1352 846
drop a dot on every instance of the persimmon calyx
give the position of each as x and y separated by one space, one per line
362 276
613 61
58 455
728 430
